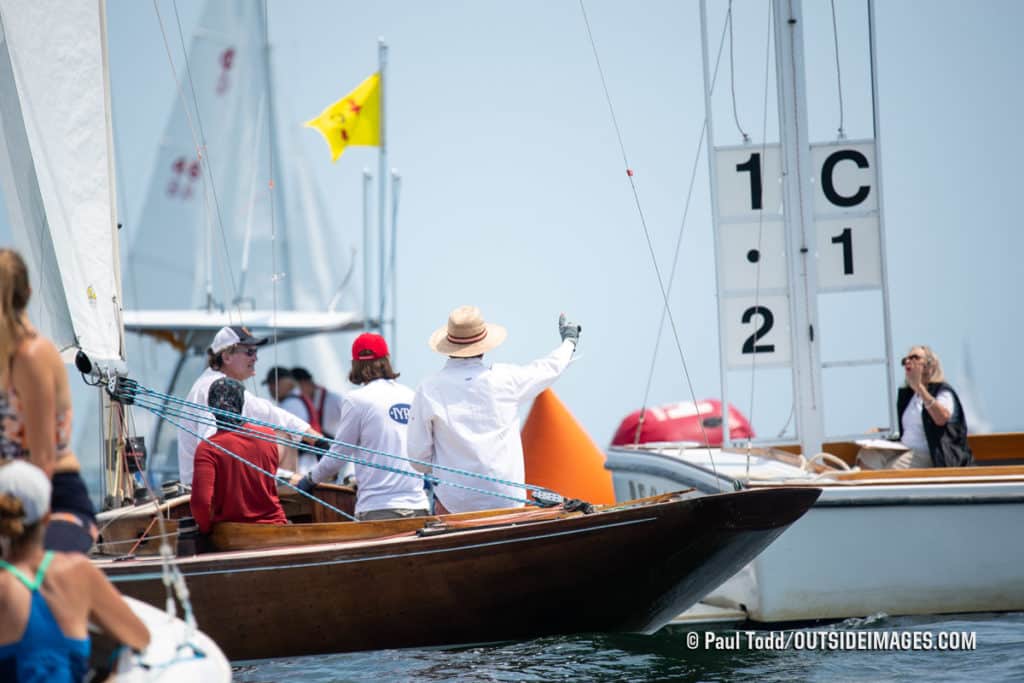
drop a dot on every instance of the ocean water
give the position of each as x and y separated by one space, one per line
975 647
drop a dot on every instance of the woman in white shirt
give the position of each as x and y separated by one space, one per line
932 423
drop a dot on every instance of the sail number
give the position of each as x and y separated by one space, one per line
753 247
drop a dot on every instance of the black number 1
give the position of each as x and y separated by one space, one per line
753 166
845 238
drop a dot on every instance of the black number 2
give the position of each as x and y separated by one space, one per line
768 320
845 238
753 166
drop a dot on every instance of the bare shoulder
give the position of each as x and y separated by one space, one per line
39 350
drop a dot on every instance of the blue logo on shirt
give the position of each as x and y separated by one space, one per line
399 413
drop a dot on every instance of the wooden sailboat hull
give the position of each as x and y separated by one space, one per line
625 569
901 542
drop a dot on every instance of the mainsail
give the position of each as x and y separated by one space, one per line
56 172
231 221
232 230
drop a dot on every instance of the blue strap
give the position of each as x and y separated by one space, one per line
32 585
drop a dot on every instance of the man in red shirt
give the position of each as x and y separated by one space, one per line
224 488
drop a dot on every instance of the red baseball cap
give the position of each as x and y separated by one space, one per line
369 346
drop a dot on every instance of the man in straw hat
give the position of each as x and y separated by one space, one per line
467 415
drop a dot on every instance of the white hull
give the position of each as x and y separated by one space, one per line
922 547
173 654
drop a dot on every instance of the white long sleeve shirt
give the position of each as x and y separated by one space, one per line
255 407
467 416
375 416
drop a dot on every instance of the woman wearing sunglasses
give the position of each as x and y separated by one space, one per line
932 423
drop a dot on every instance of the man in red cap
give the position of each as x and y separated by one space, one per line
373 425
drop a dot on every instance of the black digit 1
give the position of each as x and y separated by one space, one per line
845 238
828 171
753 166
768 321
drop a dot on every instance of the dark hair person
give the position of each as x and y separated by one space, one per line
47 598
35 410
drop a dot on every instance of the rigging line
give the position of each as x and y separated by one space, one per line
205 156
198 414
272 439
839 75
256 467
760 217
732 77
270 183
679 242
166 414
196 139
643 220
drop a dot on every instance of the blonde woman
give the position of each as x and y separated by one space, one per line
35 410
932 423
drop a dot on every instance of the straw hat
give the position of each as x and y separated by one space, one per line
466 334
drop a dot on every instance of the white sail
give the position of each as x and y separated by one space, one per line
56 167
212 233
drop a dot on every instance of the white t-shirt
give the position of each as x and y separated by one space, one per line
375 416
255 407
294 404
913 424
467 417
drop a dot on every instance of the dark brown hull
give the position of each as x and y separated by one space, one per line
630 569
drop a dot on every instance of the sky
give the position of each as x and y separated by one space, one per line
515 196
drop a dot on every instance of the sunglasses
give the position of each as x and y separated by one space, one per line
913 356
250 351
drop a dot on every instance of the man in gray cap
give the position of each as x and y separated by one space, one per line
467 415
233 354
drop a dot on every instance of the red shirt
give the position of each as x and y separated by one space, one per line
227 490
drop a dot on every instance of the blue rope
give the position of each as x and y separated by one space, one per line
254 466
199 413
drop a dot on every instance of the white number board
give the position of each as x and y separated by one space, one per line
752 256
757 326
749 182
848 253
844 177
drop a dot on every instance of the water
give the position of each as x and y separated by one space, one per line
665 656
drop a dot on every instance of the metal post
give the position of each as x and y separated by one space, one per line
713 181
382 192
799 221
367 180
396 185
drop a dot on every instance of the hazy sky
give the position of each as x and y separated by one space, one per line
515 196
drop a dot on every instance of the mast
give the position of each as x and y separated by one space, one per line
367 179
713 182
799 223
382 179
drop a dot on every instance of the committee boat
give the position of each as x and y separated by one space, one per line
915 541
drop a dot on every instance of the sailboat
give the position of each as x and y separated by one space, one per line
332 586
56 165
232 230
917 541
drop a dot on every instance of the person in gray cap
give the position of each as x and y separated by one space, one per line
47 598
467 415
233 354
227 488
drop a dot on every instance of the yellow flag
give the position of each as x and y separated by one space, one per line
352 120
